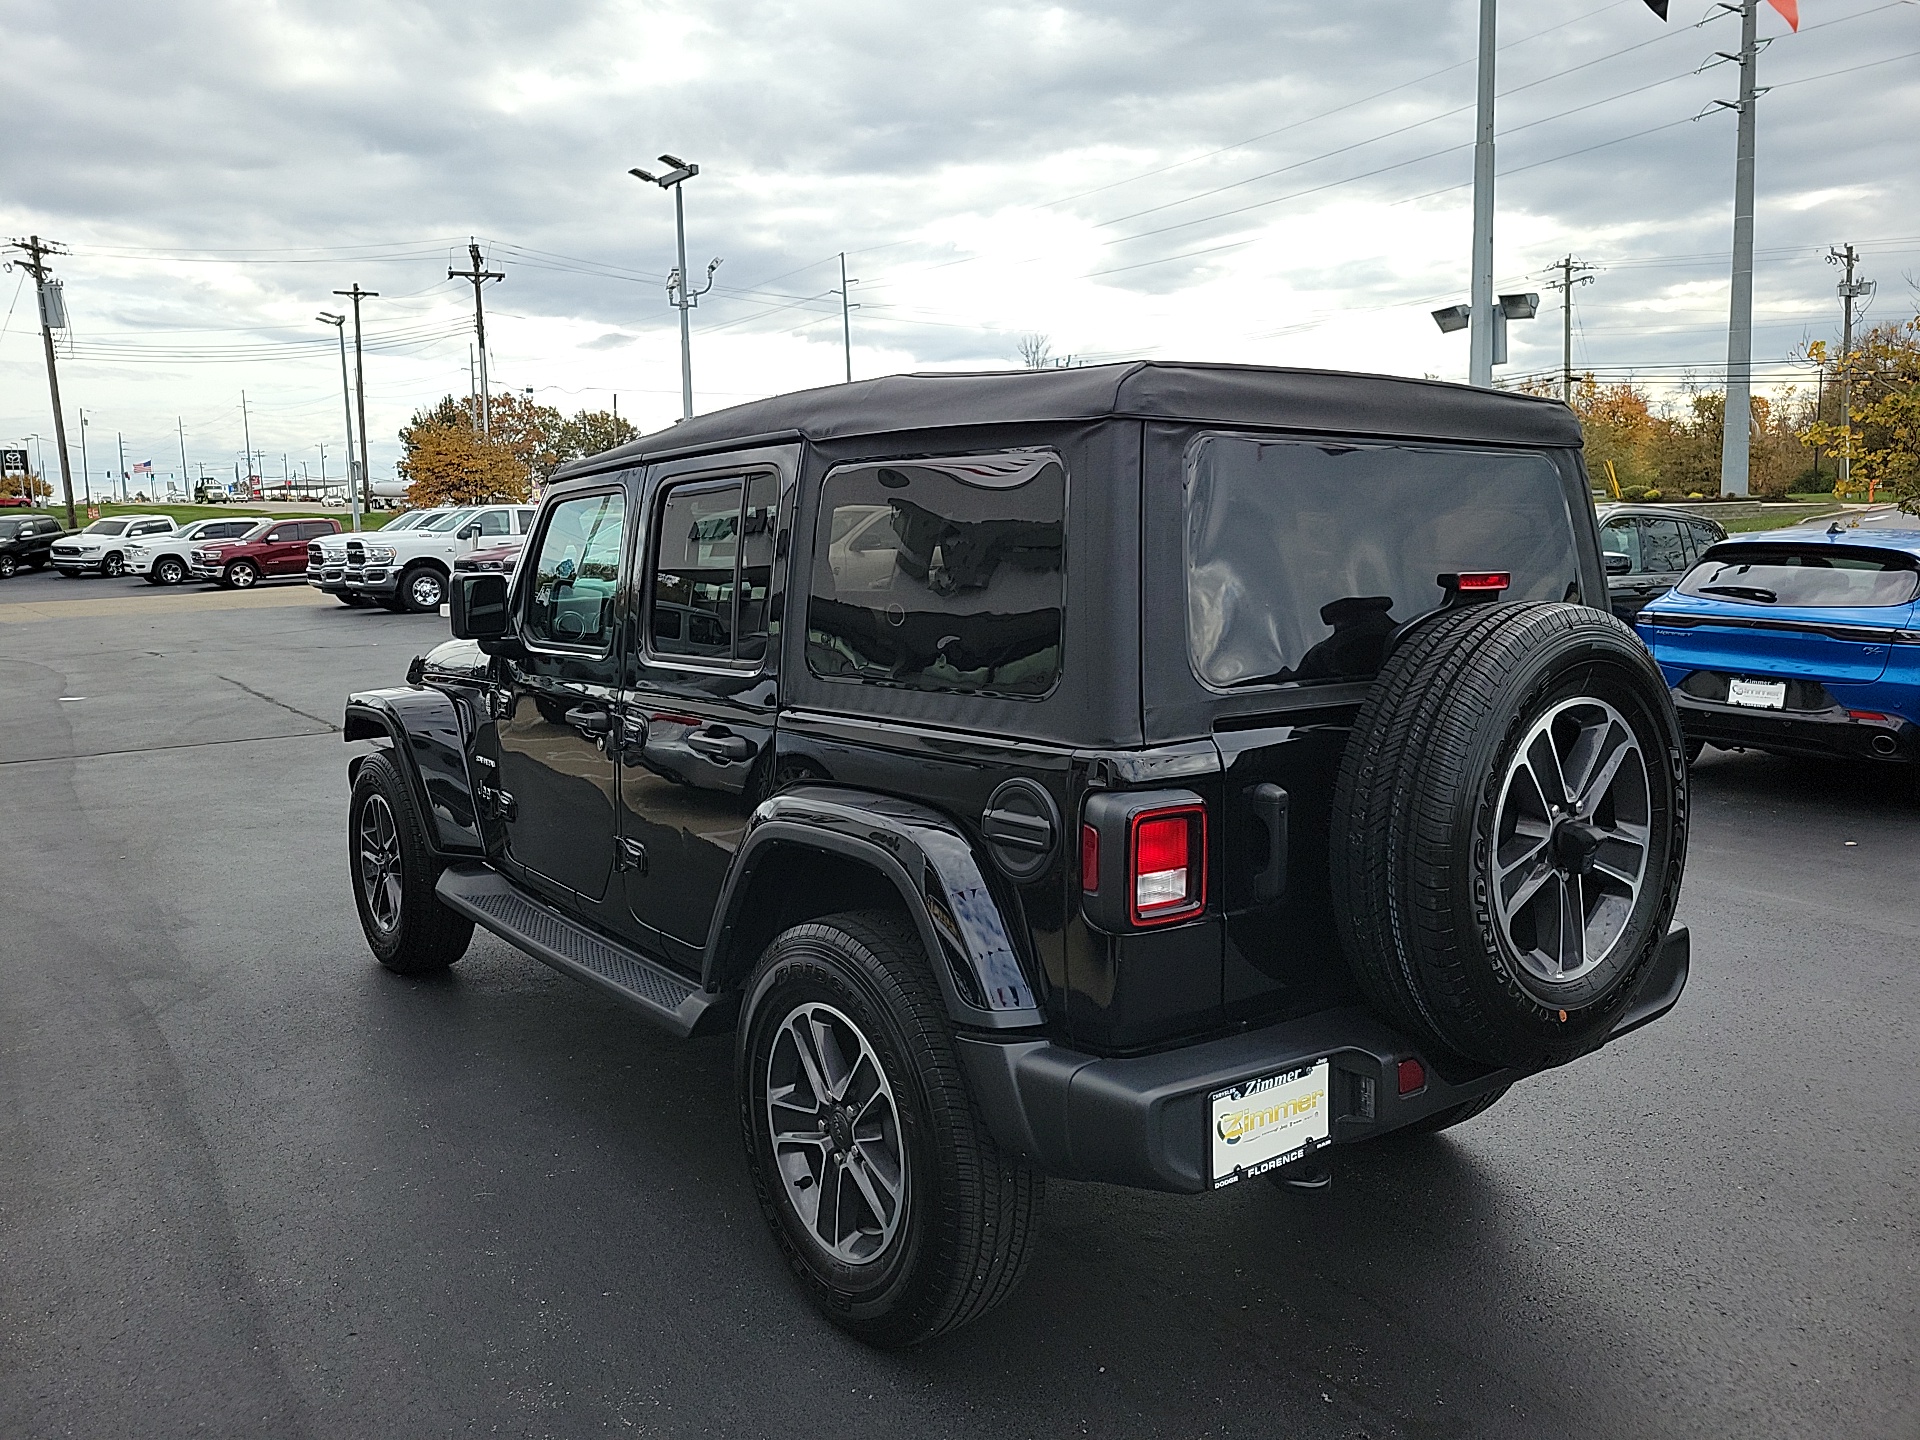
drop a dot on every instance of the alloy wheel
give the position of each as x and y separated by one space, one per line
1571 840
242 576
425 591
113 567
7 566
836 1135
380 863
170 570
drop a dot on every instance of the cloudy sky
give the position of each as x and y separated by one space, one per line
1281 183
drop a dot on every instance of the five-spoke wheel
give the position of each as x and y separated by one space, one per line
379 842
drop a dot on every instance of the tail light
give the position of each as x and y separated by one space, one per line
1143 859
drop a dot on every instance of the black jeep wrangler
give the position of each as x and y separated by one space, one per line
1141 773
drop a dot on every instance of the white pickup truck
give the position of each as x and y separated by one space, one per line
327 556
408 570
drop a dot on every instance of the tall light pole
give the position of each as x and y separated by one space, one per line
1480 305
679 292
53 316
339 323
360 385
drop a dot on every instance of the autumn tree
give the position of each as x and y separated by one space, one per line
446 460
1884 437
592 431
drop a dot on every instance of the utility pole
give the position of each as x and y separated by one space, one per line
121 441
186 492
846 322
53 315
479 278
1571 274
246 432
1480 342
1737 421
321 446
86 476
360 385
339 323
1850 290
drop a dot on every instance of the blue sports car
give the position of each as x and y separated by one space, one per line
1800 642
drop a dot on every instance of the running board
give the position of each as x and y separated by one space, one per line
670 1000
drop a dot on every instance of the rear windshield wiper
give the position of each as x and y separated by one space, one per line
1742 592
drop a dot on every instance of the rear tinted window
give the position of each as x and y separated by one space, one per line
942 574
1302 556
1820 576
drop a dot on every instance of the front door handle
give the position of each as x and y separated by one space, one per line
590 719
720 744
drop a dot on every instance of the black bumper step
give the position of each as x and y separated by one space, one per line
671 1000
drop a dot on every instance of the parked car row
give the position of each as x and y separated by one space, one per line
406 565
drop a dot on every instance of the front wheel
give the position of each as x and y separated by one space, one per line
8 567
114 566
895 1210
407 928
242 575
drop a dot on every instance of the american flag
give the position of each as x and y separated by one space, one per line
145 467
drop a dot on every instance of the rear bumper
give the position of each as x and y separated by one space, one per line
1142 1121
1823 734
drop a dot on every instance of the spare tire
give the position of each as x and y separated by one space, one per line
1509 830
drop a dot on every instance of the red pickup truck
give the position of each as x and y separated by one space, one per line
272 550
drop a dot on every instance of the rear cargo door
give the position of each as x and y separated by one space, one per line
1303 558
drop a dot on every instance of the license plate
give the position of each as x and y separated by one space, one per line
1261 1124
1761 694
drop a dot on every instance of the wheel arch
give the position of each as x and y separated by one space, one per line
816 851
425 733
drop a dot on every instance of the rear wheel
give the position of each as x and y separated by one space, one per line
168 570
241 575
406 926
896 1212
422 589
1509 831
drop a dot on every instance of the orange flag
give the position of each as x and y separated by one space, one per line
1789 12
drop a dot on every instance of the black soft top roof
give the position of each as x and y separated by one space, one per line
1255 395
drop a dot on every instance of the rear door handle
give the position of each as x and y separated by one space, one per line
1270 804
590 719
719 744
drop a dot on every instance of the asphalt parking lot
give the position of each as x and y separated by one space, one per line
254 1185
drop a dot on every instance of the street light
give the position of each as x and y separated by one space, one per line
1523 306
679 293
339 323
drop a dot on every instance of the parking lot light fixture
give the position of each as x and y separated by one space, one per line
339 323
681 294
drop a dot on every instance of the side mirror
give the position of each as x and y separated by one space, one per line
1618 564
477 605
468 532
274 538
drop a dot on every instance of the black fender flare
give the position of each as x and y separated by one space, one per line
427 734
927 859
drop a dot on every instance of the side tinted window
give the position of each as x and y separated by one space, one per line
1662 547
577 572
494 522
1303 556
1622 537
522 521
696 560
942 574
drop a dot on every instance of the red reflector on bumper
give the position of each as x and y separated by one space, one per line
1413 1076
1866 715
1484 580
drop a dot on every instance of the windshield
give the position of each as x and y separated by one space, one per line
447 521
255 533
105 527
409 521
1818 576
1304 556
9 529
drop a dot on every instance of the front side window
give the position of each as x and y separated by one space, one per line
495 522
944 574
571 601
1622 537
1819 576
1304 556
713 569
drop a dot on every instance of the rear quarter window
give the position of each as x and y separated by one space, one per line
1303 556
942 574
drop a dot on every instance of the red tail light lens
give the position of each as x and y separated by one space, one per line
1413 1077
1089 860
1167 865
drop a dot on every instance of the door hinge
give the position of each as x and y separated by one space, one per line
630 855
